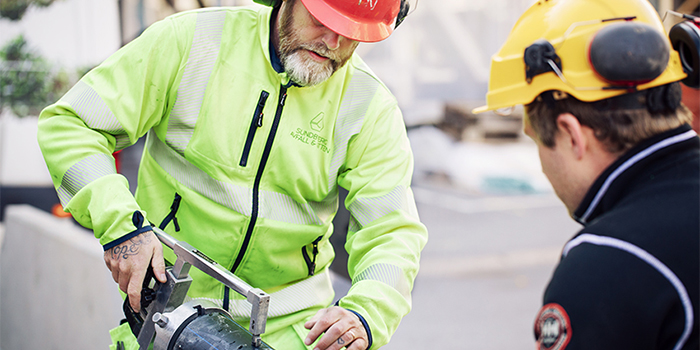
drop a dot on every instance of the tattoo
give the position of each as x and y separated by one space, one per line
341 341
130 247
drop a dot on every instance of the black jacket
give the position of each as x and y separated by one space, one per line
629 278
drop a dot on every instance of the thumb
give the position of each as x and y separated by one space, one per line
158 264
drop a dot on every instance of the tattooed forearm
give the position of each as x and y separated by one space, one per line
131 247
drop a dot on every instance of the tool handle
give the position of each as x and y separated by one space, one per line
204 263
135 319
164 238
188 255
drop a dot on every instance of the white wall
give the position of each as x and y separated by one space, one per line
21 162
55 290
70 33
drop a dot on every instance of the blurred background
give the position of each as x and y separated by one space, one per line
496 228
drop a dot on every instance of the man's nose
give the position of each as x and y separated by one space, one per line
331 39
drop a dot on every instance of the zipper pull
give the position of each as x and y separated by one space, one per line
314 251
259 109
283 96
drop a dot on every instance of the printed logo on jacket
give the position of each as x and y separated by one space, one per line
311 137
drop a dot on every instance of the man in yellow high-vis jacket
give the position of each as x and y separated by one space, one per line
254 117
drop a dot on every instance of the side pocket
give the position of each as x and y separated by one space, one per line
311 261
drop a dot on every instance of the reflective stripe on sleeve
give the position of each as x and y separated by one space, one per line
366 210
313 291
84 172
391 275
95 113
203 53
353 225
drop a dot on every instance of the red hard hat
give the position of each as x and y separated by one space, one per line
360 20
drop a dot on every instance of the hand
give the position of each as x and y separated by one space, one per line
342 328
129 263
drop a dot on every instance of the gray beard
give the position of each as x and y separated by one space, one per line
303 71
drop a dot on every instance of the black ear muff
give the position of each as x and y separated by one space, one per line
271 3
629 54
685 38
404 7
663 98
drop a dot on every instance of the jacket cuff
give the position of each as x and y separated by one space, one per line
138 221
364 323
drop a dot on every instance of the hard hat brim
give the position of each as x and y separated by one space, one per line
352 28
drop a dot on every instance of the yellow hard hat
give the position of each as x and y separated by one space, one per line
579 47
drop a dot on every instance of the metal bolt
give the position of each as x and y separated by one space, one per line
160 319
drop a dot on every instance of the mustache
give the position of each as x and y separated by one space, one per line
322 50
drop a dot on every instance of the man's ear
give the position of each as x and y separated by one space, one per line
572 134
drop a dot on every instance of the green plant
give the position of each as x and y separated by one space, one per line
23 78
15 9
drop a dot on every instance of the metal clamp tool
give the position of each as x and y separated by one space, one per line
167 301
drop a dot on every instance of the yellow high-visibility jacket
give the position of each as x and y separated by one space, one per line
254 161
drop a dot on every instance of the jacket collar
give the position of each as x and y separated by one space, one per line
266 18
609 185
274 57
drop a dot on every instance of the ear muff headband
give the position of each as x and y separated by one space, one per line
685 38
659 99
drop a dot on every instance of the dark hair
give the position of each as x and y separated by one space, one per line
619 122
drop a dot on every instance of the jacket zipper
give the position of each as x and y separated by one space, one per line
258 177
254 124
311 262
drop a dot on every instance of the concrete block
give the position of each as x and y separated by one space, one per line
55 290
